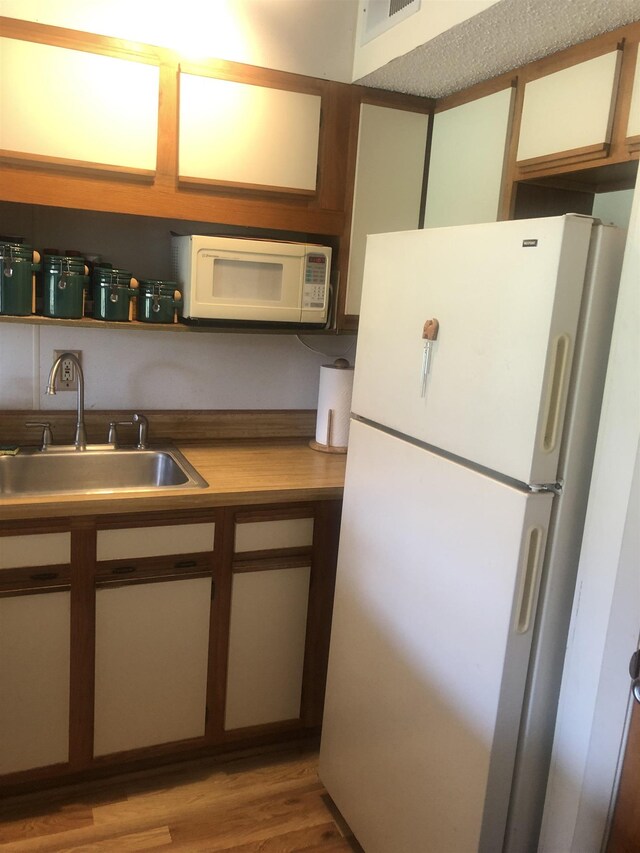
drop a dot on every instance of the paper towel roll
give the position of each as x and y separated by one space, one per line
334 406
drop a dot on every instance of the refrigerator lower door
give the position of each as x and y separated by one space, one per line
438 575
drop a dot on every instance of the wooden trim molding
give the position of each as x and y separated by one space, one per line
148 54
563 158
96 170
633 144
274 513
34 579
258 561
111 573
230 186
180 426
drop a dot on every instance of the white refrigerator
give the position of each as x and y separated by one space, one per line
467 476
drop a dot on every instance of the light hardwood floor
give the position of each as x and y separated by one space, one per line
271 803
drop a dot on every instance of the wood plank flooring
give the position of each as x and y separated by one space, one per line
269 803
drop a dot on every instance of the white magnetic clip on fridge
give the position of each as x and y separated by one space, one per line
481 359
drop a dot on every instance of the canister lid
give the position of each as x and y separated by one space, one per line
110 276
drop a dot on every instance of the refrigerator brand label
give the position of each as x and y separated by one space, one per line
527 243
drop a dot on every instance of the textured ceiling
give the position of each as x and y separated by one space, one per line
504 36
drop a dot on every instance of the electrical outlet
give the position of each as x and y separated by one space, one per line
67 378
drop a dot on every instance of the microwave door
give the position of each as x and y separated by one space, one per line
262 287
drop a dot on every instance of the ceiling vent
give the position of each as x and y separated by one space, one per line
381 15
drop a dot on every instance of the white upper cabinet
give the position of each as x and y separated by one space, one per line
69 105
633 127
467 159
244 134
570 109
388 183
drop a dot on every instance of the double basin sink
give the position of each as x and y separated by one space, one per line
98 469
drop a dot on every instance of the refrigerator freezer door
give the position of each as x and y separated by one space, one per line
435 598
507 299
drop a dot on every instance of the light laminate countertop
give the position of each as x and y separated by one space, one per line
237 473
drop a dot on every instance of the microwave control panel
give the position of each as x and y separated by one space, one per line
316 274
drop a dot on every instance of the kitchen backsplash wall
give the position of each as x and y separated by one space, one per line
161 370
148 368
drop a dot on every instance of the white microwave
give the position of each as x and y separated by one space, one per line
232 279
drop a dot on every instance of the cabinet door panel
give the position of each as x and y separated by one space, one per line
466 164
266 646
244 134
37 549
570 109
34 680
388 183
73 105
633 127
151 663
130 542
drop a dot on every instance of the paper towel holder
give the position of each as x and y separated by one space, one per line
329 447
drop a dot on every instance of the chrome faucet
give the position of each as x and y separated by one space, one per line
80 440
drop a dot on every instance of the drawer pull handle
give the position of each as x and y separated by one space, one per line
123 570
185 564
44 576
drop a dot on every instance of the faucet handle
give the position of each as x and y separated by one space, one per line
112 437
47 435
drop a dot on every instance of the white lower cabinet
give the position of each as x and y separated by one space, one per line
266 646
152 643
34 680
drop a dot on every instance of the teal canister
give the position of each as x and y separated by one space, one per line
113 290
157 301
64 283
18 265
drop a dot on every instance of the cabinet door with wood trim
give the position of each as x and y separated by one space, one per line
34 651
253 136
271 575
567 116
78 109
388 183
152 644
266 645
153 614
468 150
633 125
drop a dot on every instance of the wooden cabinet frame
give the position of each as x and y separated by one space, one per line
85 574
88 186
376 97
566 166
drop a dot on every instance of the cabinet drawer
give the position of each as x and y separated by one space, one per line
36 549
269 535
131 542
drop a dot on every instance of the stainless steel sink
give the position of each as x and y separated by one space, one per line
98 469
